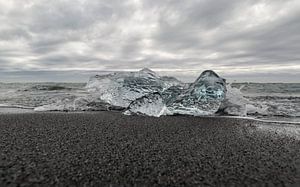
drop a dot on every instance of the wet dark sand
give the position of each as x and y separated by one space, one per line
109 148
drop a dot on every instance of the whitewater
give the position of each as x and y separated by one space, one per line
147 93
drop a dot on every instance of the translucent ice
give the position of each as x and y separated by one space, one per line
120 89
151 105
203 97
144 92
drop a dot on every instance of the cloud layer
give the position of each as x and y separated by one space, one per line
238 39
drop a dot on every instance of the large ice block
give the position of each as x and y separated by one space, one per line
120 89
203 97
144 92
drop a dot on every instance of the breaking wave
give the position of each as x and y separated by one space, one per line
238 103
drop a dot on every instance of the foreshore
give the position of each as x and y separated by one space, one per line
108 148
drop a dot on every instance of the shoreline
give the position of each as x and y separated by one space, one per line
19 110
108 148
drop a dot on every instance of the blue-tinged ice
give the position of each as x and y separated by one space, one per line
203 97
145 92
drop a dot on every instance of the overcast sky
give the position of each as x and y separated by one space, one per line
66 40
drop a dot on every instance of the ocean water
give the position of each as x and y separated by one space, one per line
270 101
31 95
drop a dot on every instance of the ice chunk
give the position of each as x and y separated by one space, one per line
170 94
171 81
203 97
151 105
145 92
120 89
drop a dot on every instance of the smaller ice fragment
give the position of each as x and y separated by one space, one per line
150 105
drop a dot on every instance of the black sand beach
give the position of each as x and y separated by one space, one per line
109 148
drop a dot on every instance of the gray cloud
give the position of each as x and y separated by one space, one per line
239 39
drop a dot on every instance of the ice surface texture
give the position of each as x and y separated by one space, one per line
203 97
144 92
120 89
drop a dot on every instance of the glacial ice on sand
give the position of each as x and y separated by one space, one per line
203 97
151 105
145 92
120 89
